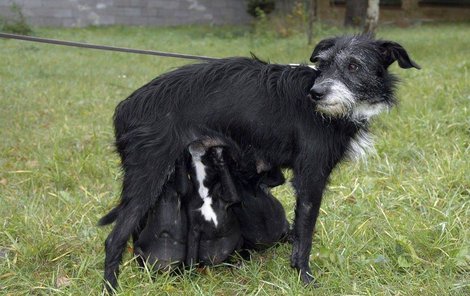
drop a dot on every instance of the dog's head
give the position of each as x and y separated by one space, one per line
353 79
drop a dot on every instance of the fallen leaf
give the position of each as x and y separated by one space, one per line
351 199
32 163
62 281
3 253
403 262
3 181
202 270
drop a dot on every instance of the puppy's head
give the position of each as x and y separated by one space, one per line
354 81
214 151
211 157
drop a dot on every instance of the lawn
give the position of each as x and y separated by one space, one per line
396 224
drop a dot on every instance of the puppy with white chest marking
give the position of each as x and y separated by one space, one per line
213 230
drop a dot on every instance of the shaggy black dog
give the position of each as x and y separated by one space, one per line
296 117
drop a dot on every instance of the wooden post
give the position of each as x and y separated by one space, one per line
372 16
409 7
355 13
312 13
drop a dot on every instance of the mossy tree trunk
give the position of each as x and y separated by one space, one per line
355 13
372 16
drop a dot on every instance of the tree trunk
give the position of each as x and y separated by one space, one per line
355 13
312 14
372 16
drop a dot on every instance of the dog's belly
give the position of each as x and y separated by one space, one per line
270 139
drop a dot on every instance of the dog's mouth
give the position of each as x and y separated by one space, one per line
334 109
328 105
322 103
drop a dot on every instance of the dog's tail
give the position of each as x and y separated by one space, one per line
110 217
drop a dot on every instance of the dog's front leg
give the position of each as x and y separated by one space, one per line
309 184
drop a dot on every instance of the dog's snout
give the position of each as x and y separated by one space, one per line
318 92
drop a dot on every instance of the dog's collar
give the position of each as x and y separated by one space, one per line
305 65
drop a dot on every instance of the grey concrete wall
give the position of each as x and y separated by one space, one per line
79 13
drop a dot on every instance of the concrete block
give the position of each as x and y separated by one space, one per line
120 3
131 11
62 12
149 12
58 4
165 4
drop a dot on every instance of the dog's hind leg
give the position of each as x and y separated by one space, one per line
140 191
142 184
116 242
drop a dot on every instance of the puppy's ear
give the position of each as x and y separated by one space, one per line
213 141
196 149
322 46
392 51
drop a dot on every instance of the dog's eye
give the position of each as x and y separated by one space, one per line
353 67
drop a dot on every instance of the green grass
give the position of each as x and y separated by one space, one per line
397 224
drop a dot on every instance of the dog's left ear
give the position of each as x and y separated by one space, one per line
322 46
392 51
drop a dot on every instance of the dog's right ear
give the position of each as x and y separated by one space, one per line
392 51
322 46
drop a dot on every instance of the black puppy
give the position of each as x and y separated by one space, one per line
213 232
261 216
296 117
160 239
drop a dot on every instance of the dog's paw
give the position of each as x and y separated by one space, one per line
307 277
305 273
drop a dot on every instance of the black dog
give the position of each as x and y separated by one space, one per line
213 232
294 117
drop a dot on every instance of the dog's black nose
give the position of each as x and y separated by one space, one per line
318 92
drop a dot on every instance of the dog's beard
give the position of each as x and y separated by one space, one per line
341 103
338 102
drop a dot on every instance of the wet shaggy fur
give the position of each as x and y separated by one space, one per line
265 107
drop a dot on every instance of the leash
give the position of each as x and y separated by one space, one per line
105 47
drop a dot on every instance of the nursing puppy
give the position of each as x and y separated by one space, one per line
294 117
160 239
161 243
213 232
261 216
